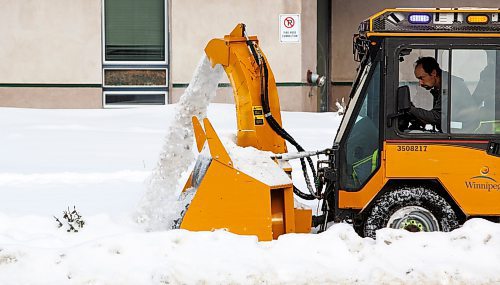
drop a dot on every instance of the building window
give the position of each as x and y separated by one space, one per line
133 98
134 31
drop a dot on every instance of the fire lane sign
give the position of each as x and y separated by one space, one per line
289 28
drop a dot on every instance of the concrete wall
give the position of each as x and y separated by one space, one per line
195 22
50 42
346 16
50 97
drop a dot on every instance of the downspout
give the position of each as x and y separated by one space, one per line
323 52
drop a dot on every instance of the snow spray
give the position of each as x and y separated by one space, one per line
160 206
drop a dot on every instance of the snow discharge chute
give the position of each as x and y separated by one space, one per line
224 195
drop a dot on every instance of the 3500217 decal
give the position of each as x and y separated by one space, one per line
411 148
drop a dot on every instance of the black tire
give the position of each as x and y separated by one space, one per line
420 209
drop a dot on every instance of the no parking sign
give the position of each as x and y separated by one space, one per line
290 28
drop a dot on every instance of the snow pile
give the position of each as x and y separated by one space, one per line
255 163
159 206
107 252
69 178
112 249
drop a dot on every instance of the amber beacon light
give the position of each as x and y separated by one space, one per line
477 19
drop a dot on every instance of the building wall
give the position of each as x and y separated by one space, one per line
51 49
195 22
51 97
50 43
346 16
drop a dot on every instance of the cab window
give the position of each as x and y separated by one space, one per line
478 112
362 150
460 99
433 117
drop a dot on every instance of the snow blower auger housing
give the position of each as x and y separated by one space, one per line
225 197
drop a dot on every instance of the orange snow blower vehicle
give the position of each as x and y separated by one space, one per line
384 169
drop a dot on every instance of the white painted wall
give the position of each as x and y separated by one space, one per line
50 41
196 22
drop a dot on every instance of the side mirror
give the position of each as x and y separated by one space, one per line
403 98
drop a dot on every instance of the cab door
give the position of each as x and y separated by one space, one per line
460 156
359 134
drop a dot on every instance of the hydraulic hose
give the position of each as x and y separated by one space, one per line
284 134
303 195
276 126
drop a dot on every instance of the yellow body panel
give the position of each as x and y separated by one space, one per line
470 176
198 133
217 150
360 199
244 74
229 199
302 220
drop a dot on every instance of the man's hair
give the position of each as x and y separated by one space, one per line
428 64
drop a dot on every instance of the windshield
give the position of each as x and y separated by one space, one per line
364 68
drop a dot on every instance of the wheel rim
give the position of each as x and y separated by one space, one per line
414 219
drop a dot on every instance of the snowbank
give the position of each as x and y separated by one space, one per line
98 160
33 251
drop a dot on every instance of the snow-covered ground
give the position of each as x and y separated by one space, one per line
98 160
102 161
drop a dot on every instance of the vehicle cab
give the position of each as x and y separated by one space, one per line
379 157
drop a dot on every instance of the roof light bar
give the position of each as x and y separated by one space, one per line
434 20
419 18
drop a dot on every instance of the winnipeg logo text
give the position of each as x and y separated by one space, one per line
483 181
